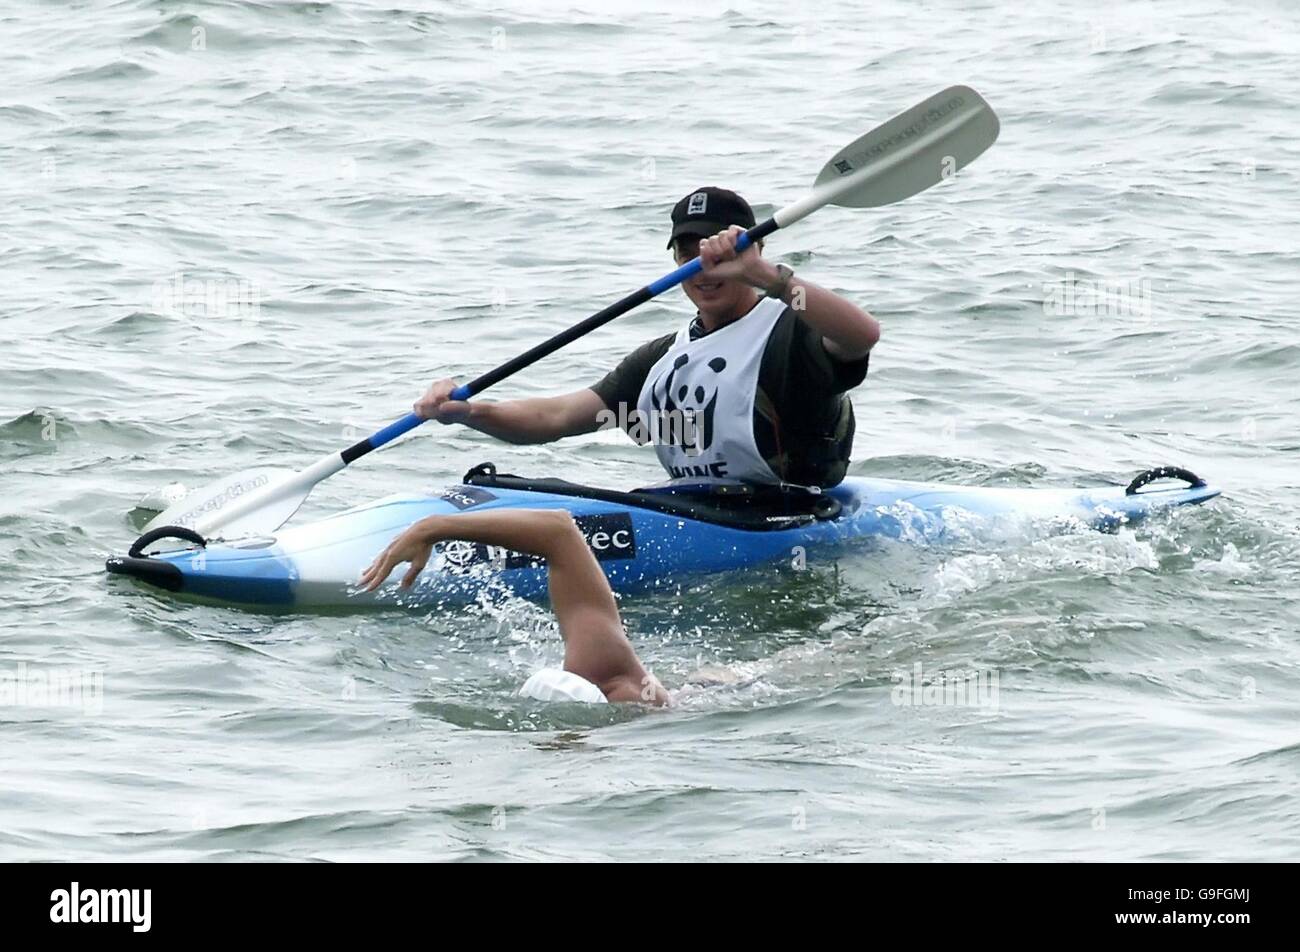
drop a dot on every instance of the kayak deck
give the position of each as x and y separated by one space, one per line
644 539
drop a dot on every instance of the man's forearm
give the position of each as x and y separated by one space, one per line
513 421
852 330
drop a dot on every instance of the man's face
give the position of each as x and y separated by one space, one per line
712 296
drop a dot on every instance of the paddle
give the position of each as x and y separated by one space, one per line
906 155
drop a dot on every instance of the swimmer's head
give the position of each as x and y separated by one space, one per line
552 684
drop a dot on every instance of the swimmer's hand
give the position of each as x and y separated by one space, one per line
415 545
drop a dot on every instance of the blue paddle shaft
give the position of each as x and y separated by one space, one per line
381 437
674 278
601 318
511 367
394 430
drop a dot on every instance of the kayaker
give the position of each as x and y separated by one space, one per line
599 662
754 388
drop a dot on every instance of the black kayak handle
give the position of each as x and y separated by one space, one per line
1164 472
165 532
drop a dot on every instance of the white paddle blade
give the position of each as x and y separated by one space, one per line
266 508
217 495
265 517
921 147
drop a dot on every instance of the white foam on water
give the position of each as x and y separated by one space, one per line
1094 554
1230 563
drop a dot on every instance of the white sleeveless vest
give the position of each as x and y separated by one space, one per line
698 400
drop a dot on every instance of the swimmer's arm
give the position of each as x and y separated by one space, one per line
595 645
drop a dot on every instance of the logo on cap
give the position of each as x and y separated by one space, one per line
697 203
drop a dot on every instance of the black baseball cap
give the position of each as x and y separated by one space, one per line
707 211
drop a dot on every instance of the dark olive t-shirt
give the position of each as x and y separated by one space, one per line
803 418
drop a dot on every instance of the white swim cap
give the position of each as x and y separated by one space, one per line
553 684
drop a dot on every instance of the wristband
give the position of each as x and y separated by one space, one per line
777 289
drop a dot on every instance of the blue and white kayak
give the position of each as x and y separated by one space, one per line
645 539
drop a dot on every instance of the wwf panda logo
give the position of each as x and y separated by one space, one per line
684 404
